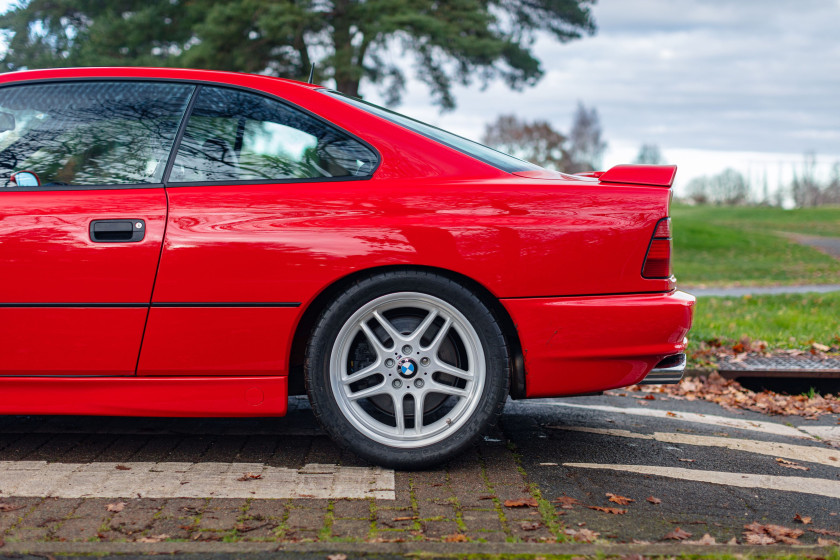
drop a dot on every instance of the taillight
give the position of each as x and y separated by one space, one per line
658 258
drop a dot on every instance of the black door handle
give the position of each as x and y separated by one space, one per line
117 231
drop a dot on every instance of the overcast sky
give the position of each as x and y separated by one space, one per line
746 83
752 84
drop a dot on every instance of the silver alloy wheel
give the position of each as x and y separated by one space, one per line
410 367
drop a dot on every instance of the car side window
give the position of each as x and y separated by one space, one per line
88 133
234 136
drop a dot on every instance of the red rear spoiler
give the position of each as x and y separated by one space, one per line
657 175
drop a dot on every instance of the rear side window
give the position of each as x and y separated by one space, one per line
238 136
89 133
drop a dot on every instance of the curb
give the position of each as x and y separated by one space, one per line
427 549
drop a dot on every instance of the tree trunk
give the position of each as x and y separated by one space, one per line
347 77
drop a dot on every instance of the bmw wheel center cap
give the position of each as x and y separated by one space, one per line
407 367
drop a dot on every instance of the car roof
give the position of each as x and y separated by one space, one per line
135 72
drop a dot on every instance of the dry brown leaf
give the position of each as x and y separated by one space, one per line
825 532
457 537
677 535
776 533
530 525
620 500
486 497
249 476
566 502
804 520
791 464
758 538
527 502
9 507
671 414
338 556
122 468
706 540
153 539
827 542
688 460
406 518
583 535
614 511
115 507
653 500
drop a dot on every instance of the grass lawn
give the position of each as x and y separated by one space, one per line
723 246
783 321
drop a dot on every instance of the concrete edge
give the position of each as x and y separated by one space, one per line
411 548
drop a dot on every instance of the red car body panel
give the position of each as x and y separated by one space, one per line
587 344
146 396
221 294
48 258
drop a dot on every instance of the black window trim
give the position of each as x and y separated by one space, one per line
197 85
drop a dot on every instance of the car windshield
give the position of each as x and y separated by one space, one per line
480 152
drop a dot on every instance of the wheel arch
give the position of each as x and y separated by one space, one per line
322 300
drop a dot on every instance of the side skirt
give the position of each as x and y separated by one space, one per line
145 396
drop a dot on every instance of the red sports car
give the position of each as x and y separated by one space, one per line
194 243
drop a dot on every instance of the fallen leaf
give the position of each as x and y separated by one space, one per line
486 497
620 500
153 539
677 535
754 533
457 537
406 518
671 414
122 468
803 520
115 507
791 464
825 532
688 460
758 538
249 476
338 556
827 542
527 502
583 535
649 397
653 500
614 511
566 502
530 525
10 507
706 539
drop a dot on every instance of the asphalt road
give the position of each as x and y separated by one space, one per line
75 482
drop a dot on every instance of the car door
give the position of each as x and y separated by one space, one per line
82 218
246 191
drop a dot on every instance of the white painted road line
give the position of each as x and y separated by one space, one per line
722 421
827 433
192 480
805 453
818 486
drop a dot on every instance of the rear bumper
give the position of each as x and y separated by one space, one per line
585 344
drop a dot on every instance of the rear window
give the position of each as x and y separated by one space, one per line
473 149
89 133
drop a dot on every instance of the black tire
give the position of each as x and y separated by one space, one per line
469 336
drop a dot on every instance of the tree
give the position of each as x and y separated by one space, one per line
350 41
535 141
586 147
649 154
727 188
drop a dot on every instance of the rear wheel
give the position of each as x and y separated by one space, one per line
406 369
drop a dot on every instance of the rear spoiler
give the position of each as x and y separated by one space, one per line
656 175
